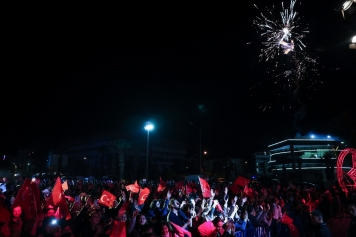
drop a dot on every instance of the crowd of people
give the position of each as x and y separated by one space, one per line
167 209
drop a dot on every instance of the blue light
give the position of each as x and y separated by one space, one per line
149 126
329 136
312 136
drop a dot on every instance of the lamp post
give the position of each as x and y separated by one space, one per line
148 127
201 167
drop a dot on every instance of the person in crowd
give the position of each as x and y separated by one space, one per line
5 216
352 228
92 227
251 215
176 216
139 221
319 229
276 217
15 223
165 230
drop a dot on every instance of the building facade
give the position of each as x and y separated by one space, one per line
301 160
108 154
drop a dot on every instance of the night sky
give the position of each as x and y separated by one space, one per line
75 69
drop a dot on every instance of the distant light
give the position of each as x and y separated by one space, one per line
149 126
28 163
353 40
245 162
205 152
329 136
342 142
312 136
4 157
346 5
85 158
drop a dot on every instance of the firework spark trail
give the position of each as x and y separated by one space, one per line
283 44
283 33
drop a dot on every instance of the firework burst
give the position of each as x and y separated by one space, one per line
291 63
283 34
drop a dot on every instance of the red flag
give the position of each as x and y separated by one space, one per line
160 188
235 189
180 231
26 199
188 190
57 192
242 181
58 199
136 184
107 199
207 229
179 185
286 219
142 196
249 192
135 188
293 231
70 199
119 229
205 188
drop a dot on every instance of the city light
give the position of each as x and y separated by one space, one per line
353 40
149 126
329 136
346 5
312 136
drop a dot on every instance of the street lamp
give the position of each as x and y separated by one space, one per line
148 127
353 43
201 167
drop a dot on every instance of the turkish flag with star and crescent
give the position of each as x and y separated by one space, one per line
135 188
205 188
242 181
142 196
107 198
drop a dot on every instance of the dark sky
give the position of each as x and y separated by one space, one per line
75 69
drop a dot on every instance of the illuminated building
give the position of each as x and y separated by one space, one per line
303 160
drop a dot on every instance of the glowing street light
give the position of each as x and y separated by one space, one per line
148 127
353 43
